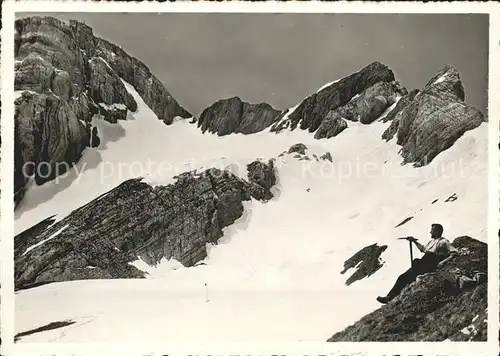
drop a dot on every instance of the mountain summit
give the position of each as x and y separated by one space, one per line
64 75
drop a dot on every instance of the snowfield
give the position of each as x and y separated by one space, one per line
275 275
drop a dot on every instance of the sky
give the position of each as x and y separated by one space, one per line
282 58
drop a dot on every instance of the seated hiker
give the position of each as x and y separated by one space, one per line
436 253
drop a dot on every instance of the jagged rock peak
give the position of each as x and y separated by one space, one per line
313 110
232 115
447 82
429 122
69 47
71 76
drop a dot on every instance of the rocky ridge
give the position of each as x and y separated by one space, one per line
356 97
425 122
135 220
233 115
65 75
431 120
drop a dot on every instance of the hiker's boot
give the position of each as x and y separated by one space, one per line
383 300
480 277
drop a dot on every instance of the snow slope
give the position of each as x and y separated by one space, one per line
275 276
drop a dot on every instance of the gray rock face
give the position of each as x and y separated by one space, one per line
72 75
331 126
133 71
136 220
365 107
298 148
371 103
313 110
95 141
236 116
262 174
113 113
326 157
434 119
53 41
46 130
402 103
106 86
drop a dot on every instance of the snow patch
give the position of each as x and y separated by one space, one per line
101 59
113 106
440 79
47 239
285 118
163 267
354 97
389 109
327 85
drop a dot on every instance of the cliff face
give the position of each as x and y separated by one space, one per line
430 121
311 112
133 71
236 116
426 122
135 220
64 75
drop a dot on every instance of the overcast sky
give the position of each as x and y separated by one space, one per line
282 58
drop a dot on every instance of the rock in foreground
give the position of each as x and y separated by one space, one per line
435 307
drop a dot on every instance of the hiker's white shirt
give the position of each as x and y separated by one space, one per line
440 247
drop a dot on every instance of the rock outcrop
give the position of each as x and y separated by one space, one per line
262 174
66 76
300 152
233 115
365 262
136 220
426 122
370 85
372 102
402 103
430 121
331 126
49 138
136 73
437 307
299 148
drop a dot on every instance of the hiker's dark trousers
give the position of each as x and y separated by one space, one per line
428 263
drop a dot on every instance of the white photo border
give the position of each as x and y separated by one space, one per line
490 347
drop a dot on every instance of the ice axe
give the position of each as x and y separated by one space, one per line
409 239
